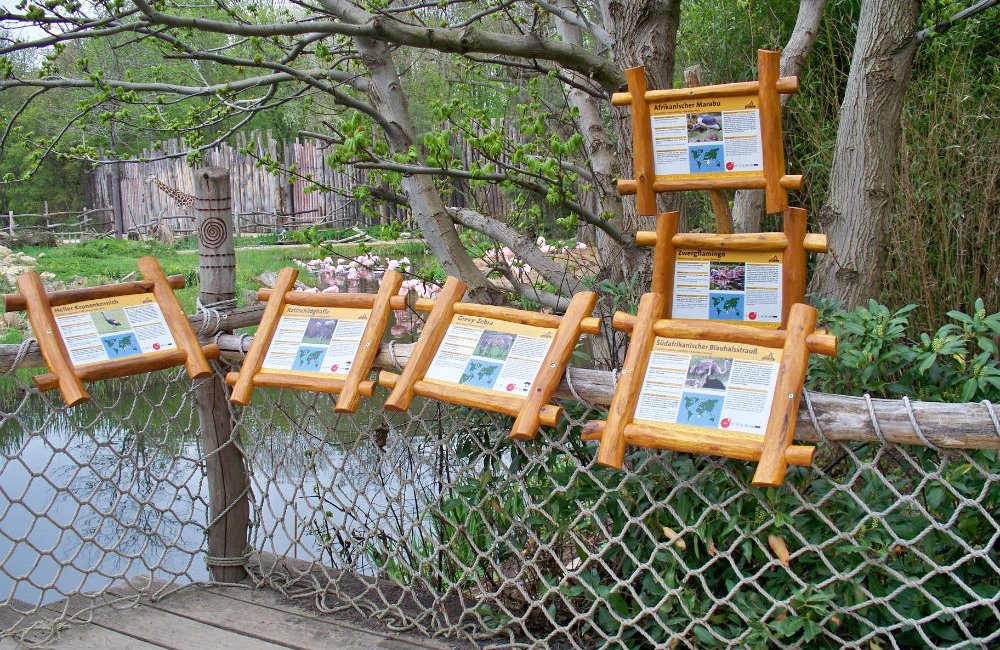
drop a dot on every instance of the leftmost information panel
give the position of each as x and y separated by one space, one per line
113 328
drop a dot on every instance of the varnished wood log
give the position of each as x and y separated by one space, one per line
124 367
612 448
329 385
553 366
695 329
346 300
472 397
788 391
175 317
762 241
243 389
642 142
627 186
433 333
775 196
793 263
51 344
665 258
732 444
815 243
16 302
368 346
785 86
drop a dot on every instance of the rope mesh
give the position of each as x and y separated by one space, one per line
433 521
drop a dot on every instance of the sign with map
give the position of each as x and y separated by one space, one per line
740 286
315 341
727 386
491 354
698 138
112 328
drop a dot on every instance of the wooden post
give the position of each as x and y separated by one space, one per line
665 259
227 476
611 453
768 73
10 222
642 143
720 201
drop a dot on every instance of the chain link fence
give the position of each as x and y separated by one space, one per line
434 522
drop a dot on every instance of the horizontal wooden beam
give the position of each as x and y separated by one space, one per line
329 385
628 186
320 299
785 85
16 302
589 325
126 366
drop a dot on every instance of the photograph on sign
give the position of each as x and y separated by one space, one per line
697 138
491 354
321 341
738 286
112 328
724 386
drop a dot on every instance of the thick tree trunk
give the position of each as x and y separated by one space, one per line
748 205
859 199
644 33
386 94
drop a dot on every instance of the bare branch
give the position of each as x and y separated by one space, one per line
945 25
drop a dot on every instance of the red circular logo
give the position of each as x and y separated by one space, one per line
725 423
334 367
752 315
730 165
156 346
510 387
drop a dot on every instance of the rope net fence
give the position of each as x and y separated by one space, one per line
433 521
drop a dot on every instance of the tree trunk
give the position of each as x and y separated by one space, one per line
644 33
748 205
859 200
386 94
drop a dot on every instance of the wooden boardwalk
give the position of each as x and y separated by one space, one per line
217 618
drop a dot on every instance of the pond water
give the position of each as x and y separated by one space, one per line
115 488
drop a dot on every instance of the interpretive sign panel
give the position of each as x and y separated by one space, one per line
493 358
696 384
321 342
741 286
491 354
711 388
113 328
702 137
721 137
110 331
316 341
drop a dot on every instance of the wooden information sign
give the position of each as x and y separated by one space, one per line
751 279
711 388
493 358
323 342
719 137
110 331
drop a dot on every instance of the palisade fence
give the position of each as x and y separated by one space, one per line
434 521
262 201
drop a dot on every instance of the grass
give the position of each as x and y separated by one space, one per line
105 261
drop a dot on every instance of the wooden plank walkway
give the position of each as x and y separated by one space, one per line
216 618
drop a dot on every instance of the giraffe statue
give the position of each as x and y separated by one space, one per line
183 200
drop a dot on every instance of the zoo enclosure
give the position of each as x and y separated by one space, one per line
432 520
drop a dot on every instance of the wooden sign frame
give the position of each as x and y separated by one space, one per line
766 91
349 389
774 452
531 410
69 378
793 244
